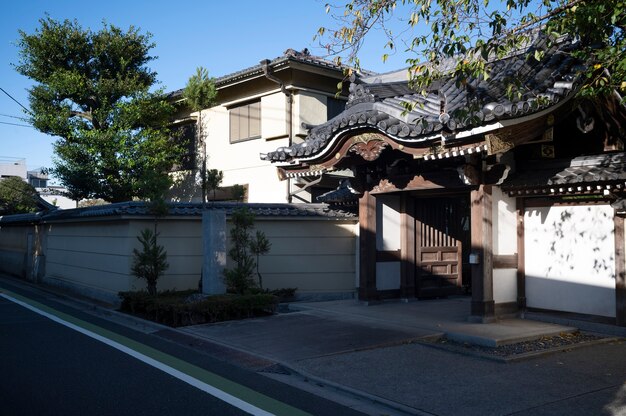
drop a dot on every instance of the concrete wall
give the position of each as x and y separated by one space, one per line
504 243
91 258
94 258
570 259
15 250
314 255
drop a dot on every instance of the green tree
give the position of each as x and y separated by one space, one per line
243 246
467 34
17 196
214 180
92 91
200 93
150 262
259 245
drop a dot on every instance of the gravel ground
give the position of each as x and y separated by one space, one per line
561 341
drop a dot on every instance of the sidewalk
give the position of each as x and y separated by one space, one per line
371 350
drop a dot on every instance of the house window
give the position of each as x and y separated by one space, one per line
245 121
334 107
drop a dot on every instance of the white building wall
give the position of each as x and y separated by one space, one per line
570 259
388 238
240 162
504 230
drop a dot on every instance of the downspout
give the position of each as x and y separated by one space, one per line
289 100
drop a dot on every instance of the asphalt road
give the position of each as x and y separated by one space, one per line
48 368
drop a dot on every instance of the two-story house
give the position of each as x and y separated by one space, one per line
259 109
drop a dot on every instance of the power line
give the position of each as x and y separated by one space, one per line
18 103
10 116
15 124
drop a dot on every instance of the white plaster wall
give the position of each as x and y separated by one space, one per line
504 285
570 259
388 275
388 225
504 223
504 228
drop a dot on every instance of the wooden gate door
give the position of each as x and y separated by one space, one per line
441 242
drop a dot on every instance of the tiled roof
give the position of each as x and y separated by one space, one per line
290 55
343 195
448 107
139 209
596 169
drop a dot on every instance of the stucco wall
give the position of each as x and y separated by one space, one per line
570 259
504 230
316 256
94 258
14 254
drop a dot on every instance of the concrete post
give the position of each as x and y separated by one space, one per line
214 251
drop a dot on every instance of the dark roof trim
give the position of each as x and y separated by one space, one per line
140 209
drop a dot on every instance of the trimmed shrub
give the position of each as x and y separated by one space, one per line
170 308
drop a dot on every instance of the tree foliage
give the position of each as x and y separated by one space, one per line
214 180
200 93
17 196
150 262
92 90
239 279
466 35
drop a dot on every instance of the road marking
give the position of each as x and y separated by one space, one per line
219 387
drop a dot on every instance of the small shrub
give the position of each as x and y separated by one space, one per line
170 308
149 263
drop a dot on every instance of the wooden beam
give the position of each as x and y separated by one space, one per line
505 261
521 268
367 247
483 305
407 248
620 272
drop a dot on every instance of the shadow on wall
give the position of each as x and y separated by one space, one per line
186 187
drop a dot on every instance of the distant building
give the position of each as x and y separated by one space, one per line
37 178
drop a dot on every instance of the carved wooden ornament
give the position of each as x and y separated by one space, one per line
370 150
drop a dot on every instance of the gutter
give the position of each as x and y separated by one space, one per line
289 100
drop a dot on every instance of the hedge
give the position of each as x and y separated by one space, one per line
175 309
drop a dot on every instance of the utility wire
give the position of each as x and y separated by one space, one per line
10 116
20 104
15 124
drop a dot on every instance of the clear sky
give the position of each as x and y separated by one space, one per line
222 36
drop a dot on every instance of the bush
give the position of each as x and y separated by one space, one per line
170 308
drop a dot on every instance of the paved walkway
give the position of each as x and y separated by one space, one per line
369 349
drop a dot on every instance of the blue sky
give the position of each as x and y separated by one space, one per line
222 36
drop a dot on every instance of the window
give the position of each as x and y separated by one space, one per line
245 121
334 107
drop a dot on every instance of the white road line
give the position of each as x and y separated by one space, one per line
213 391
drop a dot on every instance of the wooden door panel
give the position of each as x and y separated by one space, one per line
439 236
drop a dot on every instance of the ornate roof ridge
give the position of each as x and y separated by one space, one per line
408 116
